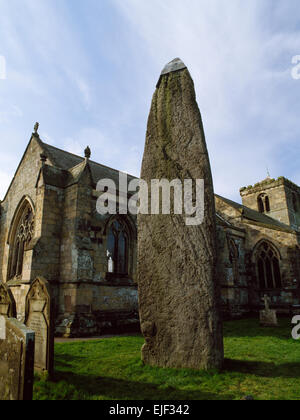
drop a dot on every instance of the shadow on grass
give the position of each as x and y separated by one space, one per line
91 386
251 328
258 368
263 369
106 388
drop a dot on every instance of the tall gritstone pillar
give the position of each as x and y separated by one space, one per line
178 288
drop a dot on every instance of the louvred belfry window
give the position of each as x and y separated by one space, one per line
263 203
23 235
260 204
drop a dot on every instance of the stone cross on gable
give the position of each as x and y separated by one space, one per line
87 153
267 301
36 127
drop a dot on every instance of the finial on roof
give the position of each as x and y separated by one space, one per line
268 174
36 127
87 153
43 158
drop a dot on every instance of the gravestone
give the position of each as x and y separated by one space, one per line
179 297
16 360
268 317
39 318
7 302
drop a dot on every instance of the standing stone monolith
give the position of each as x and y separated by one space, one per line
39 318
178 290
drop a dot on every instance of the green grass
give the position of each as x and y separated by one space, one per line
262 362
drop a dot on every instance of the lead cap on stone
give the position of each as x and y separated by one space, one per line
174 65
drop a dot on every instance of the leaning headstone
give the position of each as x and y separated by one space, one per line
16 360
7 302
39 318
178 289
268 317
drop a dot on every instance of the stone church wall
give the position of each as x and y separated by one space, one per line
23 185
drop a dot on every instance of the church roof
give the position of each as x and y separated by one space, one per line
66 161
70 162
257 217
68 167
54 176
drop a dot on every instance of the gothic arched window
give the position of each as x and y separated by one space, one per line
117 248
23 233
268 268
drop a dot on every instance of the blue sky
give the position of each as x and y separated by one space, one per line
87 70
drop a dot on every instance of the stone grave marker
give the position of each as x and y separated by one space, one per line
268 317
7 302
16 360
39 318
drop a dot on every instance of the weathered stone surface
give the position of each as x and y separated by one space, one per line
178 292
39 318
16 360
69 241
68 246
268 318
7 302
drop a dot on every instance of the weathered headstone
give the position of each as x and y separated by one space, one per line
16 360
268 317
7 302
178 290
39 318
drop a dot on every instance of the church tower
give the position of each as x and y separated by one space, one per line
277 198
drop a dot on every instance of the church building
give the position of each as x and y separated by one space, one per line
50 228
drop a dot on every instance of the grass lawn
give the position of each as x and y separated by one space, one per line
264 363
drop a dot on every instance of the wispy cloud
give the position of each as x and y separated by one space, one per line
11 112
87 71
240 62
103 150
